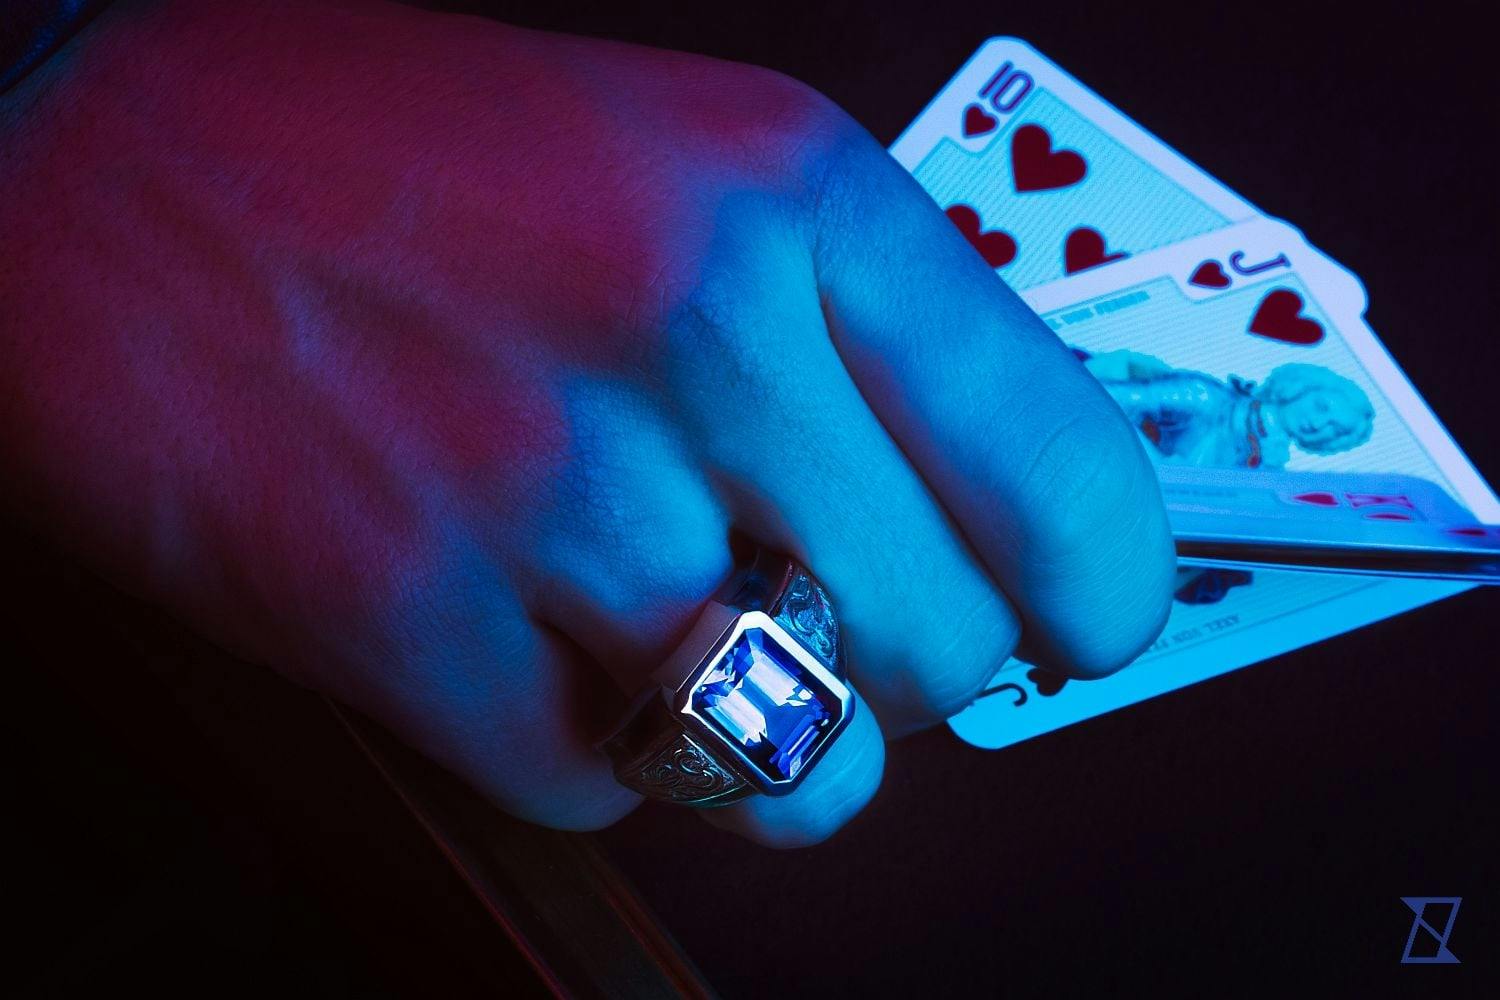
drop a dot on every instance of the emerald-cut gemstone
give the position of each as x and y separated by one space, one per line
761 699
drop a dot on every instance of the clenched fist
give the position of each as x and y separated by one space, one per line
433 363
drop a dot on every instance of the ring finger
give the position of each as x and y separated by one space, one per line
627 573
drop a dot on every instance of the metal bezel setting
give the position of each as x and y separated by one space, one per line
706 729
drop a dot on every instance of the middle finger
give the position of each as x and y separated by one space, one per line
802 463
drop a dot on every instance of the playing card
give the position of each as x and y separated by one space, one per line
1366 524
1243 348
1237 305
1045 178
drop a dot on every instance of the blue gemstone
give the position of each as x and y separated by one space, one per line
760 698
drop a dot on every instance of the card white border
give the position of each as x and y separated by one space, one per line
940 119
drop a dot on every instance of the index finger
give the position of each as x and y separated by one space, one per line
1027 452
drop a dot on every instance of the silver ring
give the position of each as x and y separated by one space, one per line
749 702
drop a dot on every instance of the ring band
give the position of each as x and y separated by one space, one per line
750 700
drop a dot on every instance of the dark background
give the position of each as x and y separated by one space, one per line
1252 831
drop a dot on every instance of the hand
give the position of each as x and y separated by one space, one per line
432 362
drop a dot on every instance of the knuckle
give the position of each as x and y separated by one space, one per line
711 312
630 531
945 695
1083 475
979 642
932 667
797 140
723 342
1098 543
1122 583
794 120
1138 615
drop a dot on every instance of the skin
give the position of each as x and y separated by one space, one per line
431 362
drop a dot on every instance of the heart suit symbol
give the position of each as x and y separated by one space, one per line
995 246
1209 274
1047 683
1036 166
977 121
1279 317
1085 249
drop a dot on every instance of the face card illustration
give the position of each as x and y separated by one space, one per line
1045 179
1246 349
